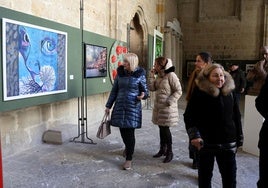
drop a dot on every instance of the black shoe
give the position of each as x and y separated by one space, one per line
162 151
168 158
159 154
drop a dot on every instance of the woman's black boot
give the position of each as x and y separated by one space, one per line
162 151
169 154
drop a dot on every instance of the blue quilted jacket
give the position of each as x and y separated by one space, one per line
127 110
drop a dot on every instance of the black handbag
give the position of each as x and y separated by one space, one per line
105 127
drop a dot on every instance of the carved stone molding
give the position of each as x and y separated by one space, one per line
174 27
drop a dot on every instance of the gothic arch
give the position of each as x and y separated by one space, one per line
139 36
143 23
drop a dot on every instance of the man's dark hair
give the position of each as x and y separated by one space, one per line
206 57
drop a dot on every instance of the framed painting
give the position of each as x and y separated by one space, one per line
34 60
249 67
158 44
95 61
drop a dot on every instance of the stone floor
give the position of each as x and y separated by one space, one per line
80 165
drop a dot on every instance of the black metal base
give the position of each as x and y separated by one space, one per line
83 139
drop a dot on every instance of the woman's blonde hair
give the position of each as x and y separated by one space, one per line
132 59
210 67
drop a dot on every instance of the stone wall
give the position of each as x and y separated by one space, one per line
228 35
23 128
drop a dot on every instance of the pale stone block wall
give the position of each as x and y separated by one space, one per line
225 37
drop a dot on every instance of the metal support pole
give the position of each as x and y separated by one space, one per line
82 101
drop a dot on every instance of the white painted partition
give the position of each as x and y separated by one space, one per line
252 125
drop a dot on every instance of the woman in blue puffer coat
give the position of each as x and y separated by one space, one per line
128 90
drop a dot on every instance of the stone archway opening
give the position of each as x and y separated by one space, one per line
138 38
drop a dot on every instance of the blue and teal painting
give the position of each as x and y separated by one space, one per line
35 60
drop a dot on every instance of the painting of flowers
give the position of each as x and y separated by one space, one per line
116 58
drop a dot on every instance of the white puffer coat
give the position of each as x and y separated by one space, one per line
168 90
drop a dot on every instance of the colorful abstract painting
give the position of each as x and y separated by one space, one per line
34 60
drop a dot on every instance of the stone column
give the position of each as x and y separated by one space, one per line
173 45
168 42
179 59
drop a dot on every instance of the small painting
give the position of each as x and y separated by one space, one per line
158 44
249 67
95 61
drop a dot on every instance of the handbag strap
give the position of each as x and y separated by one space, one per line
105 117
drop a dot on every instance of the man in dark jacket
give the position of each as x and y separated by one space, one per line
259 72
262 107
239 80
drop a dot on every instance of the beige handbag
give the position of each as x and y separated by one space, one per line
105 127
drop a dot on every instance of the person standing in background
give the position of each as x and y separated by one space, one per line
166 85
239 80
259 72
261 104
128 90
202 60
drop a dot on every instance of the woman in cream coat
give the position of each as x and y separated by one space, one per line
166 85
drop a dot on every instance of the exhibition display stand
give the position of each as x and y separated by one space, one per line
1 166
252 125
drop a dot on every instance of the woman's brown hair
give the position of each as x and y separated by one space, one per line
162 61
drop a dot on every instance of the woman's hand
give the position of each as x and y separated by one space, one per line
152 72
141 96
107 111
198 143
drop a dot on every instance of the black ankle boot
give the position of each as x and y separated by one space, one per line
168 158
161 152
169 154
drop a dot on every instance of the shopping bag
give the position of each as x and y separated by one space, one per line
105 127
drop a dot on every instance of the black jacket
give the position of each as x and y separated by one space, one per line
239 80
213 114
261 104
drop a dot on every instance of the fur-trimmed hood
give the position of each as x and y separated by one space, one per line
167 69
205 85
169 66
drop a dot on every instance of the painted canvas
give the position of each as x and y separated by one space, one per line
95 61
116 58
34 60
158 44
